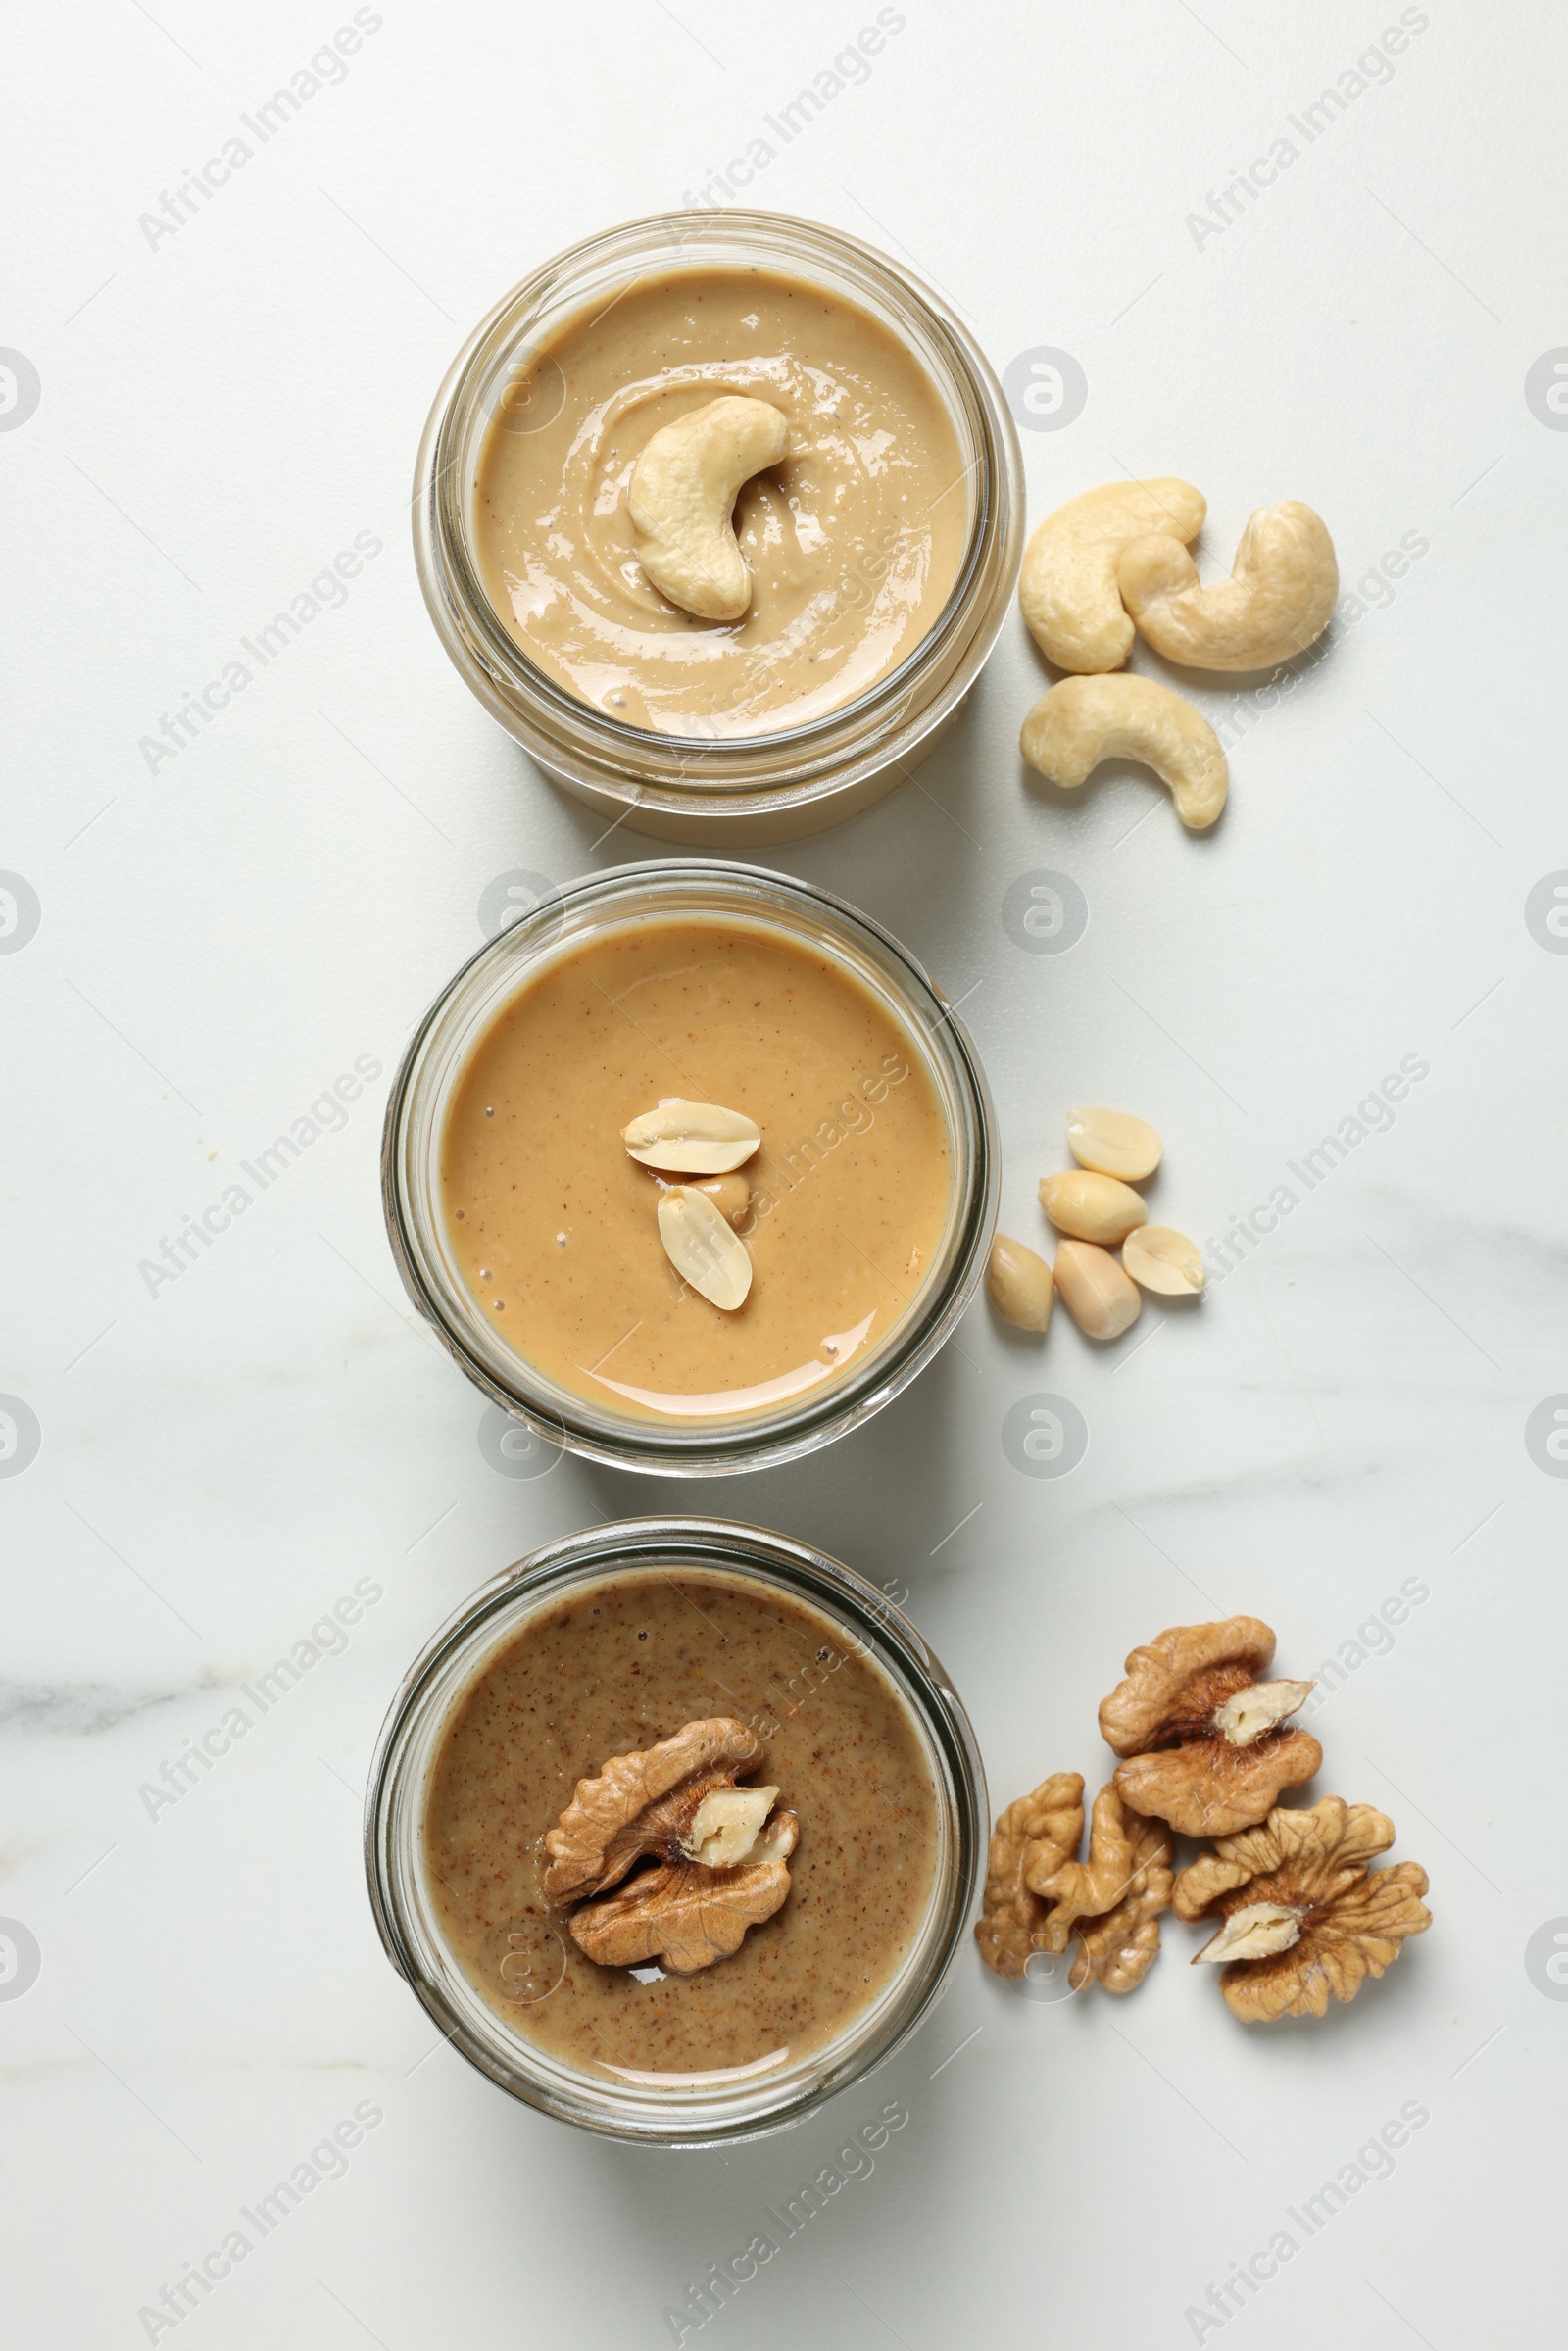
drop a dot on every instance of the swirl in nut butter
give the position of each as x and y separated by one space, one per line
854 540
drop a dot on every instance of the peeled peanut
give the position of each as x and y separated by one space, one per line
1019 1284
1114 1143
692 1137
731 1195
1163 1259
702 1248
1094 1291
1090 1206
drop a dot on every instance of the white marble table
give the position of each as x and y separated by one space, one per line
227 390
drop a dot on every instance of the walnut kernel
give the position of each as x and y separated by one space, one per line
1039 1830
643 1803
1111 1903
1040 1897
1199 1735
717 1868
727 1825
686 1914
1300 1915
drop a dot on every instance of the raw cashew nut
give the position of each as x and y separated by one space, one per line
1068 584
1087 719
1278 601
682 495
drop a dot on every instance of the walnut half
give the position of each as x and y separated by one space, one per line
1201 1734
718 1869
1036 1831
1039 1897
1300 1915
686 1913
1111 1903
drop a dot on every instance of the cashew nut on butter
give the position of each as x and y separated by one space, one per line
683 496
1069 588
1279 600
1087 719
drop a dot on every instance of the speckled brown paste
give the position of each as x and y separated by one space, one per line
618 1667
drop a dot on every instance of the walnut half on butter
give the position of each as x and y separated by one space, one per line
719 1860
686 1913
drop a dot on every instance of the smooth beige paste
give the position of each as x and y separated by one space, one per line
555 1228
612 1670
854 542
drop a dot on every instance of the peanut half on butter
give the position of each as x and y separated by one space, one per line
703 1248
697 1228
700 1139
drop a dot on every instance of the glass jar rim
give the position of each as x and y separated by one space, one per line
409 1739
767 771
433 1062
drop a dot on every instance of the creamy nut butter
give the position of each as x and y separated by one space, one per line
555 1227
617 1666
854 540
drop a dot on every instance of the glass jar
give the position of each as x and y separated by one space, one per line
768 786
754 2100
432 1068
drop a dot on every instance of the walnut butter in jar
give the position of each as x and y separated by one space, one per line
675 1830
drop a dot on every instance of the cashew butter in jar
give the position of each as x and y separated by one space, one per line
720 516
